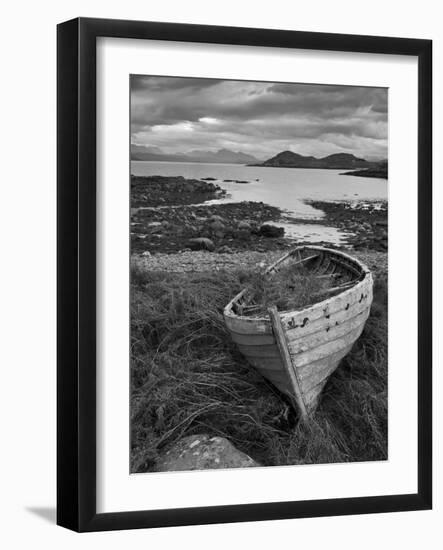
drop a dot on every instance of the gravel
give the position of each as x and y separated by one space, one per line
211 261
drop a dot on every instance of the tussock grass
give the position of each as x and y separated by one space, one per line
187 377
288 289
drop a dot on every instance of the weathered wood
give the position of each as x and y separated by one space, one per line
315 372
298 350
335 289
324 337
266 363
324 350
286 359
304 260
345 300
327 320
329 332
271 350
312 397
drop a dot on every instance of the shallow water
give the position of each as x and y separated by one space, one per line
285 188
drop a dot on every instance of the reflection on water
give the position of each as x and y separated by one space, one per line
312 233
285 188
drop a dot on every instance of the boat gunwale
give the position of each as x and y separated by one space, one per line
228 312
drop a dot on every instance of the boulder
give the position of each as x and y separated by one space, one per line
203 452
217 226
271 231
201 243
244 225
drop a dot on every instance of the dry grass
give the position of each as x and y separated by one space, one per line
288 289
187 377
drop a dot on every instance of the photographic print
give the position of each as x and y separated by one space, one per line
259 243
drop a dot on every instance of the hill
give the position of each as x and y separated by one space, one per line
222 156
289 159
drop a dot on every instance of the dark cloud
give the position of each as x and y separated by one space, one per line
159 83
178 114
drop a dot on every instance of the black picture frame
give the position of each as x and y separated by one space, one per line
76 249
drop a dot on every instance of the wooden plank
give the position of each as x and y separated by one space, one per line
259 351
304 260
345 300
335 288
291 320
325 336
252 339
274 266
247 325
314 373
266 363
313 396
286 360
327 320
320 352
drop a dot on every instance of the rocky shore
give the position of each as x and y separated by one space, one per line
169 215
222 227
170 191
365 222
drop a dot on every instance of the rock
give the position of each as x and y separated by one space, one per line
217 226
271 231
244 225
243 234
202 452
216 218
225 249
201 243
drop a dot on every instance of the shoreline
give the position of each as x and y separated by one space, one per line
172 214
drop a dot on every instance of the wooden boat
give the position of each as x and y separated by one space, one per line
298 350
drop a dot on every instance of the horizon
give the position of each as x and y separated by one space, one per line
178 115
193 151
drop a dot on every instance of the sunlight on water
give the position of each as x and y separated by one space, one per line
285 188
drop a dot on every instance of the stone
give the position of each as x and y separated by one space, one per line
271 231
216 218
225 249
203 452
244 225
201 243
217 226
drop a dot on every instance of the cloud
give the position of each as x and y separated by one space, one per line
179 114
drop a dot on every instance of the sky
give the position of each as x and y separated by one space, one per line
178 115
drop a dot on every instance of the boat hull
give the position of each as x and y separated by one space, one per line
317 337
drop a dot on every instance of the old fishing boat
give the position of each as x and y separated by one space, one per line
298 350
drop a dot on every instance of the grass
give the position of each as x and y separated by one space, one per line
288 289
187 377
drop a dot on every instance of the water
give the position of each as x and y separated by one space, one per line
286 188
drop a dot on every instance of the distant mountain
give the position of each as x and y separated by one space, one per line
223 156
139 152
288 159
